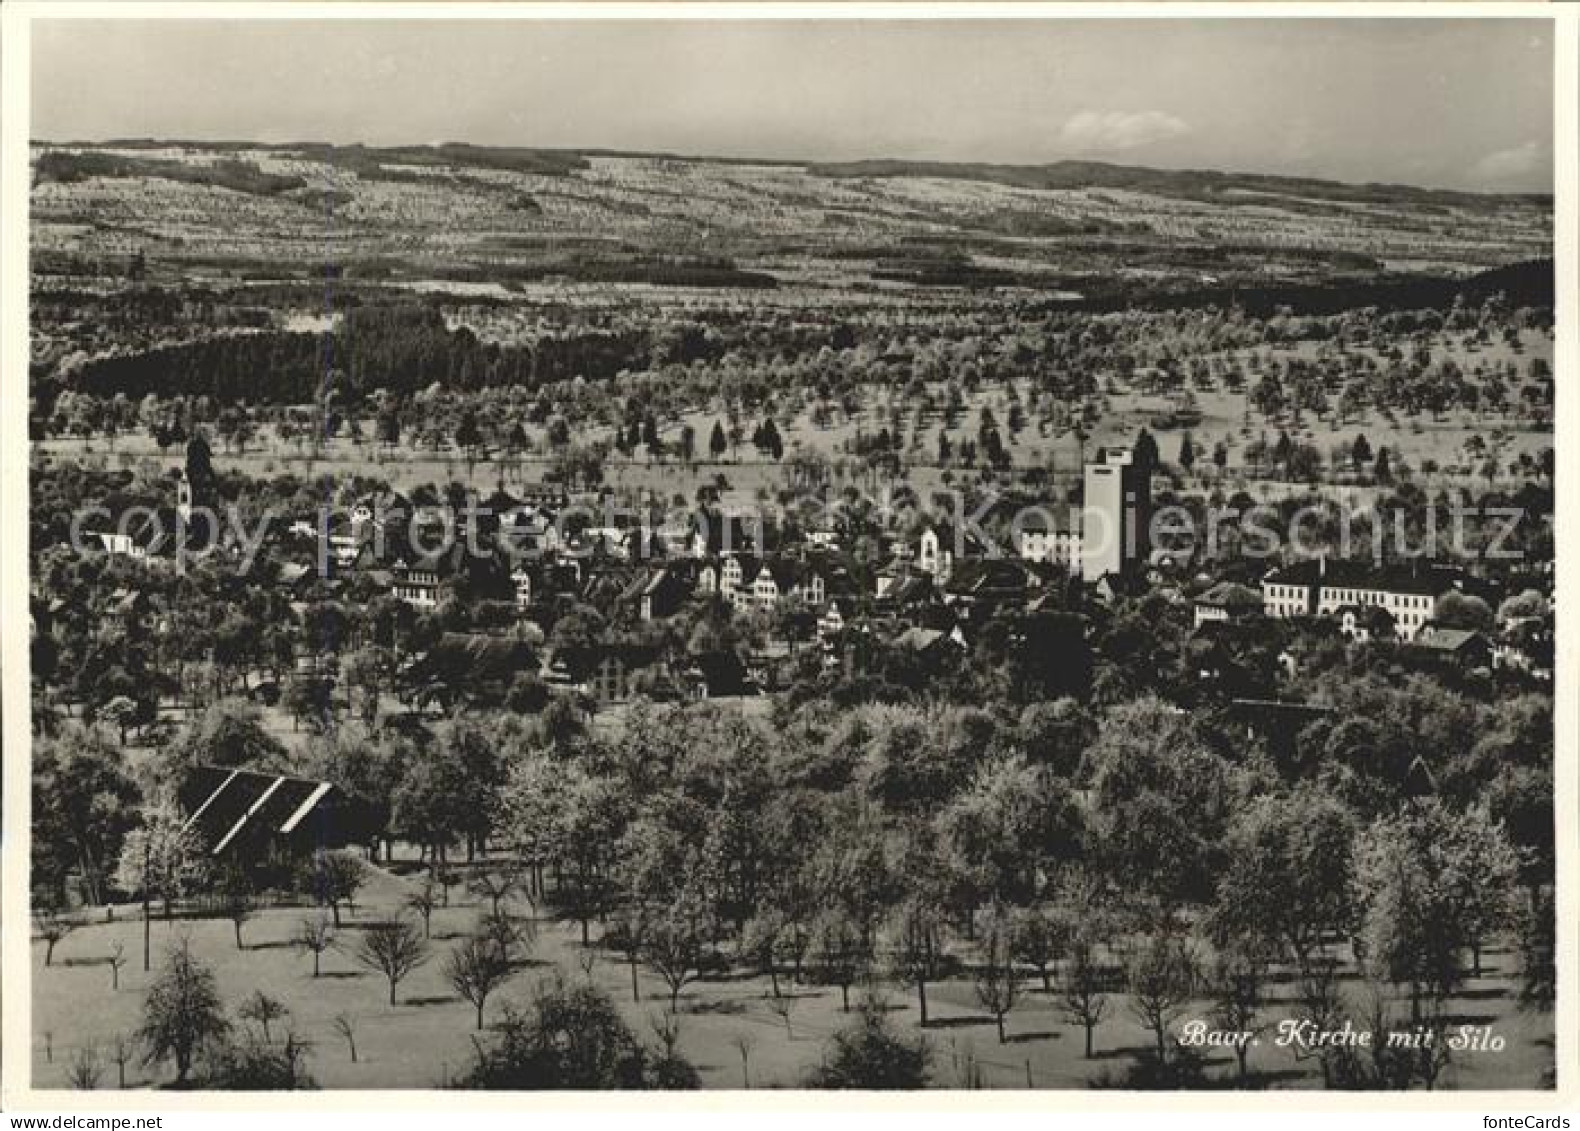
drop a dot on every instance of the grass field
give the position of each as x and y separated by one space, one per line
425 1040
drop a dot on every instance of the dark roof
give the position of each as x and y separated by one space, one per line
722 673
481 657
227 805
787 573
1422 579
1007 577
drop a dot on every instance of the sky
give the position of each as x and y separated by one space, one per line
1452 103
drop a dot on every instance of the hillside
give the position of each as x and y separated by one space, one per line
517 216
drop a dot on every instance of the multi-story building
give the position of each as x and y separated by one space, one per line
416 583
1044 542
1117 511
1319 587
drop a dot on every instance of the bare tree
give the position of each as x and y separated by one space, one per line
782 1008
335 878
1085 997
666 1029
393 949
122 1049
314 933
674 949
347 1028
496 887
743 1043
85 1069
117 960
446 878
263 1009
476 969
1162 975
997 985
1237 993
628 934
841 953
424 901
236 894
511 938
1039 938
918 948
51 926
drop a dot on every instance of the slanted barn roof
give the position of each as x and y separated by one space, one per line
228 805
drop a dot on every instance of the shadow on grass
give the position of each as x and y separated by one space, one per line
721 1008
956 1022
1027 1038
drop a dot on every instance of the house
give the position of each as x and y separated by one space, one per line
1460 647
1365 623
823 538
1226 601
1043 539
417 583
837 617
783 579
521 583
980 587
906 588
928 642
658 593
606 587
530 531
129 607
718 674
732 574
544 497
609 681
140 535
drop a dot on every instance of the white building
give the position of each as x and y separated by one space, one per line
1116 513
1318 587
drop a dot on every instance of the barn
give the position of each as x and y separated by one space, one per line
268 820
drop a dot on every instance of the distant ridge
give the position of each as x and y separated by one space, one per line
1212 186
1195 184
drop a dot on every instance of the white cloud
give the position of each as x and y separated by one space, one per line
1508 165
1092 131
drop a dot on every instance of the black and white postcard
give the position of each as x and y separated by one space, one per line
549 550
